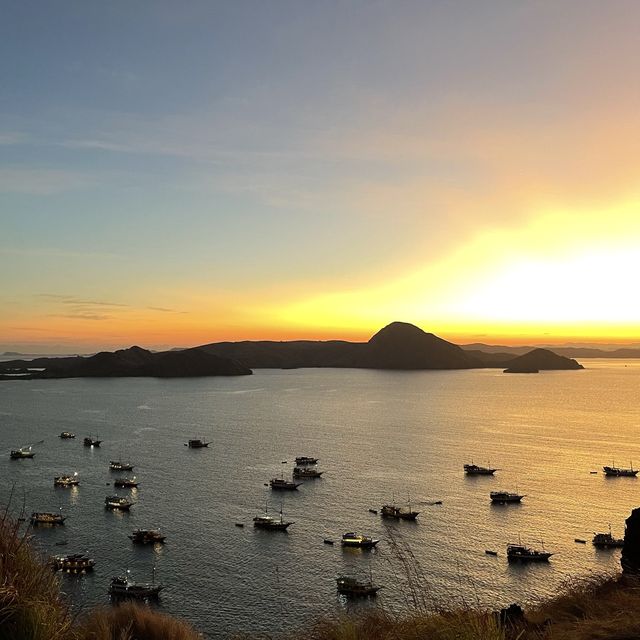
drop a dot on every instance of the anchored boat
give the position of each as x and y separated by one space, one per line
127 483
280 484
123 587
269 522
476 470
75 563
354 540
66 481
620 472
22 452
67 435
147 536
196 443
46 518
521 553
306 472
350 586
504 497
398 513
118 503
116 465
607 541
92 442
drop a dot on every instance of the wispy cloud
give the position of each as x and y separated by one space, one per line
81 316
165 310
12 137
43 182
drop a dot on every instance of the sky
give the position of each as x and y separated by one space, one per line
173 174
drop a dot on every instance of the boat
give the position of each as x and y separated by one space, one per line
116 502
489 552
328 541
92 442
350 586
22 452
74 563
196 443
620 472
147 536
306 472
354 540
607 541
46 518
503 497
126 483
66 481
123 587
306 460
67 435
520 553
280 484
393 511
269 522
116 465
476 470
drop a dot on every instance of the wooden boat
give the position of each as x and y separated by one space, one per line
620 472
280 484
126 483
398 513
350 586
504 497
475 470
66 481
607 541
22 452
196 443
270 523
67 435
147 536
47 518
306 472
117 503
123 587
75 563
354 540
520 553
116 465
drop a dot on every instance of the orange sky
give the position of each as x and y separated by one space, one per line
475 173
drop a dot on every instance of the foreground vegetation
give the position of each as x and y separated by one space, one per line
32 607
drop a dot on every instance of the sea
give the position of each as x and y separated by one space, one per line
381 437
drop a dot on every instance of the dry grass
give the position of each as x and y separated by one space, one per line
31 605
133 622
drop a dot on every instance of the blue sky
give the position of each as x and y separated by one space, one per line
226 158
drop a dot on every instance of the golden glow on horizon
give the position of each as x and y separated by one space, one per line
562 276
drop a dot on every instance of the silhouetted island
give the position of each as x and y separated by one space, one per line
539 359
398 346
132 362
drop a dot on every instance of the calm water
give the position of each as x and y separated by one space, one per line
378 434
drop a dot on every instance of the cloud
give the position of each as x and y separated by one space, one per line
12 137
67 299
43 182
81 316
165 310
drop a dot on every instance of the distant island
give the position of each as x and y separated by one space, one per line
398 346
132 362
